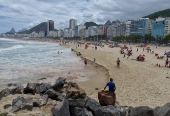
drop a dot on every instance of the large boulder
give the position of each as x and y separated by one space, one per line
61 109
77 111
17 104
93 106
59 84
27 104
30 88
74 91
142 111
51 93
40 101
4 93
112 111
106 98
80 102
43 87
163 111
17 90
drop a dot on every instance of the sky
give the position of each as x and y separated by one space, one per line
21 14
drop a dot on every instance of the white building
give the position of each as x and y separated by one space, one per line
167 26
60 33
92 30
127 28
77 30
66 32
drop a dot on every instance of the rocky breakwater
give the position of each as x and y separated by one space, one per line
68 99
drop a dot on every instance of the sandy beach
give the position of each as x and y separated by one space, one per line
138 83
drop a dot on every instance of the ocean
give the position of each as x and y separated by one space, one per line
27 61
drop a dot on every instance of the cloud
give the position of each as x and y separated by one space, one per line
27 13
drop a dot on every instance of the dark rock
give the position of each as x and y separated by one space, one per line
17 90
93 106
7 106
27 104
9 85
106 98
163 111
77 102
42 87
41 78
59 83
142 111
77 111
109 111
61 109
51 93
17 104
4 93
30 88
22 99
40 101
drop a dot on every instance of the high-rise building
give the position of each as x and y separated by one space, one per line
139 26
50 26
72 23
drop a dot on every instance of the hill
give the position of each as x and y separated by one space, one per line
12 31
163 13
88 24
37 29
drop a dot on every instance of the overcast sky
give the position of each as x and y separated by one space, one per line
28 13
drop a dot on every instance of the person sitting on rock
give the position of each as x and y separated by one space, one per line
111 85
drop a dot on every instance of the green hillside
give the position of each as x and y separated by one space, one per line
88 24
37 29
163 13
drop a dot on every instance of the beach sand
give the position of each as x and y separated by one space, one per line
137 83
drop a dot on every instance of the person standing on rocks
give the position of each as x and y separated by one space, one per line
111 85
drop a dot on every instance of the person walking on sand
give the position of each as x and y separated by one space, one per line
118 63
85 61
111 85
94 59
166 62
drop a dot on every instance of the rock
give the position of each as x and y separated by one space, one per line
30 88
4 93
74 91
27 104
142 111
7 106
77 111
40 101
110 111
77 102
94 107
51 94
17 90
16 104
42 87
106 98
61 109
10 84
59 84
163 111
22 99
41 78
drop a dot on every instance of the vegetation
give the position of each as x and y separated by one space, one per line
88 24
166 39
163 13
37 29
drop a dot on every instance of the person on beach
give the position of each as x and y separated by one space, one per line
118 63
94 59
111 85
166 62
137 50
58 52
85 61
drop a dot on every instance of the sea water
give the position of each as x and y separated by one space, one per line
26 61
